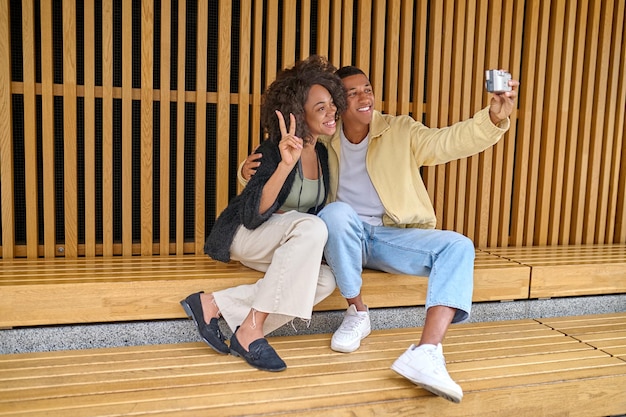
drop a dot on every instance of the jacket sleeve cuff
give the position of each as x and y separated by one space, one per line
483 119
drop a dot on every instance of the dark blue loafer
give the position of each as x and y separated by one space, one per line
210 332
260 354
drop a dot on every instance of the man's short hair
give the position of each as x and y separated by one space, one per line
348 71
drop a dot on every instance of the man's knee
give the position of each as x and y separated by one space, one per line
336 214
467 246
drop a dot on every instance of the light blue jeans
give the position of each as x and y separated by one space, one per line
446 257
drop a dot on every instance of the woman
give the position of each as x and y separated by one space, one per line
271 226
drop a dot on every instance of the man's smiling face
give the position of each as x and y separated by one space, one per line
360 98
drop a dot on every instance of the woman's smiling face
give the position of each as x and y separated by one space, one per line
320 112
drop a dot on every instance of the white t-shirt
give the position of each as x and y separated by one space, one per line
355 187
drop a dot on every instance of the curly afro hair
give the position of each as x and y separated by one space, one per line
290 90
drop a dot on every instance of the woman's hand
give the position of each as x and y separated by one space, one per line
290 145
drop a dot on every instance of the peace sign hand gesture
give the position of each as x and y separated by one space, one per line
290 145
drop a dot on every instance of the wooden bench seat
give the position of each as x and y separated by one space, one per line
525 367
562 271
91 290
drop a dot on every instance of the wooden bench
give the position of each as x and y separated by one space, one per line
89 290
573 366
562 271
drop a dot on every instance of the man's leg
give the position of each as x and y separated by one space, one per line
438 319
448 260
344 248
344 254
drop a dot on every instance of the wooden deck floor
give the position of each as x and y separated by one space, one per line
573 366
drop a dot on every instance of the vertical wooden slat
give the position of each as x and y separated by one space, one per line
447 188
419 59
615 124
347 22
561 111
201 128
70 186
549 156
503 18
460 105
585 122
90 129
378 52
509 141
444 92
47 101
164 128
535 136
476 99
107 128
454 194
243 121
147 137
127 132
486 158
323 27
30 129
522 194
404 60
257 63
457 73
611 155
289 33
597 196
223 99
271 49
6 137
180 127
574 108
335 33
392 46
432 89
305 28
363 35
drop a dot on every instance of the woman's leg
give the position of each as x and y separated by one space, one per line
288 247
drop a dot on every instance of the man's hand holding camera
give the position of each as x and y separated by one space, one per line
504 91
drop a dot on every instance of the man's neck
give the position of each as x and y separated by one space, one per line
355 133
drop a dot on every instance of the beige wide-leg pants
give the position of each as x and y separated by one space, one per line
288 247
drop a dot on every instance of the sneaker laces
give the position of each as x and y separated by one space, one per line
351 323
436 356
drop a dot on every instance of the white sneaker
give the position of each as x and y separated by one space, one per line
354 328
426 367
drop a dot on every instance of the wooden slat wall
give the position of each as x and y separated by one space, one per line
557 177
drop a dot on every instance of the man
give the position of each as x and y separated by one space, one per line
381 217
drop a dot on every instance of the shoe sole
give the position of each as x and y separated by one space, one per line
448 395
351 348
190 314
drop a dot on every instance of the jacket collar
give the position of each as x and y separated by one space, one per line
379 125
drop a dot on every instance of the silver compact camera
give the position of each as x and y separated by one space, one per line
497 81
